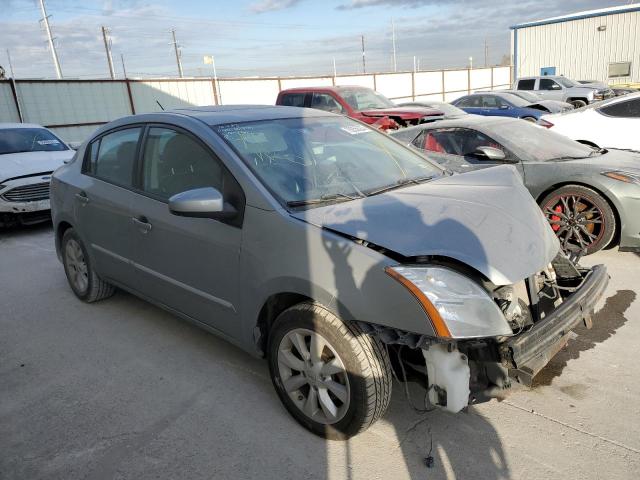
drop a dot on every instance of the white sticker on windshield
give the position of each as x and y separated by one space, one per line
48 142
355 129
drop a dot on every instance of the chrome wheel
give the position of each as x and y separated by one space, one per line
76 266
314 376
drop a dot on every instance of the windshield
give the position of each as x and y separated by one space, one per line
365 99
529 97
315 160
566 82
17 140
537 143
515 99
446 108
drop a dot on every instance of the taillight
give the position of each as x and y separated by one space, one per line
545 123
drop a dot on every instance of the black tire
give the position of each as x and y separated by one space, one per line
96 288
600 231
365 360
578 103
530 119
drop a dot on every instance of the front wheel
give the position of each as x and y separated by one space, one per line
578 103
580 217
333 379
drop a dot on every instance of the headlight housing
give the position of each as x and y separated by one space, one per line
456 305
626 176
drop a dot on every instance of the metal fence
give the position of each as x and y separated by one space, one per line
74 108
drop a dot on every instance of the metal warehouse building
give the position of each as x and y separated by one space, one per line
599 45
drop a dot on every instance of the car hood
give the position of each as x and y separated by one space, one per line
30 163
403 112
485 219
612 160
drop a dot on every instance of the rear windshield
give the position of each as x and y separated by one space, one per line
18 140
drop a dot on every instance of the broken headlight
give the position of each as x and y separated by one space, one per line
457 306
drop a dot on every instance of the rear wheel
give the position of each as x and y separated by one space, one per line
331 377
580 217
84 281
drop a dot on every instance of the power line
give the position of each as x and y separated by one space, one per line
45 19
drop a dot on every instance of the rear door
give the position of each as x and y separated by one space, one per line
188 264
103 203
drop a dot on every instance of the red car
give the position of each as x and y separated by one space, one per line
361 103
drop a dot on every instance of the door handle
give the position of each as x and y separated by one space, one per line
82 198
142 223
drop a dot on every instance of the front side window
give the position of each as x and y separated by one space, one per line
626 109
18 140
548 84
324 101
174 162
113 155
320 159
293 99
456 141
365 99
528 84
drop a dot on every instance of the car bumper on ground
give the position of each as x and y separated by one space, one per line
526 354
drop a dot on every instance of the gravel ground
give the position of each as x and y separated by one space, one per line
122 389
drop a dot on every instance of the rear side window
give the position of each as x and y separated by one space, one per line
472 101
628 109
293 99
526 84
112 156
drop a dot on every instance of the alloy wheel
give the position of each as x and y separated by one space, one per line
314 376
577 221
76 265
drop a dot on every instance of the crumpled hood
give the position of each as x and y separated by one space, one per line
30 163
403 112
552 106
485 219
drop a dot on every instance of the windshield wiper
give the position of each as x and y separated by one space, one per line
322 199
403 182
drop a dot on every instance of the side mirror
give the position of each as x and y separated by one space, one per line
204 202
490 153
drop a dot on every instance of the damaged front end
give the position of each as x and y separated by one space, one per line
465 365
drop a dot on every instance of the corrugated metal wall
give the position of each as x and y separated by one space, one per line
578 50
74 108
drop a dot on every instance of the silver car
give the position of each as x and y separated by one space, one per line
329 248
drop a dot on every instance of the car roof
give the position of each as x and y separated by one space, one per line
222 114
330 88
19 125
466 121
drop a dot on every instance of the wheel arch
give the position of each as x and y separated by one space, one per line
61 227
599 191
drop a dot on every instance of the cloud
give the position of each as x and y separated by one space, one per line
272 5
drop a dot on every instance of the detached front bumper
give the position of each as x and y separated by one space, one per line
526 354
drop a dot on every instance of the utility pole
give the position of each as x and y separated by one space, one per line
414 64
107 47
176 48
364 63
393 39
335 73
124 70
45 19
10 64
486 53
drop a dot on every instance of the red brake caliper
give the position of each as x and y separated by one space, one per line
555 218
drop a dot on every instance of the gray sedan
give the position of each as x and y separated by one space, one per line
328 248
590 196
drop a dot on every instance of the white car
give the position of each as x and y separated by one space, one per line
612 123
28 156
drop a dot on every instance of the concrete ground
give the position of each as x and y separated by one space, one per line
121 389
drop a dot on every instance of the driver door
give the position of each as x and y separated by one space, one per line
550 89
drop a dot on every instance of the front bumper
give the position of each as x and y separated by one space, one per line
526 354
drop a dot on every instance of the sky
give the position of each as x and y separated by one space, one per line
264 37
